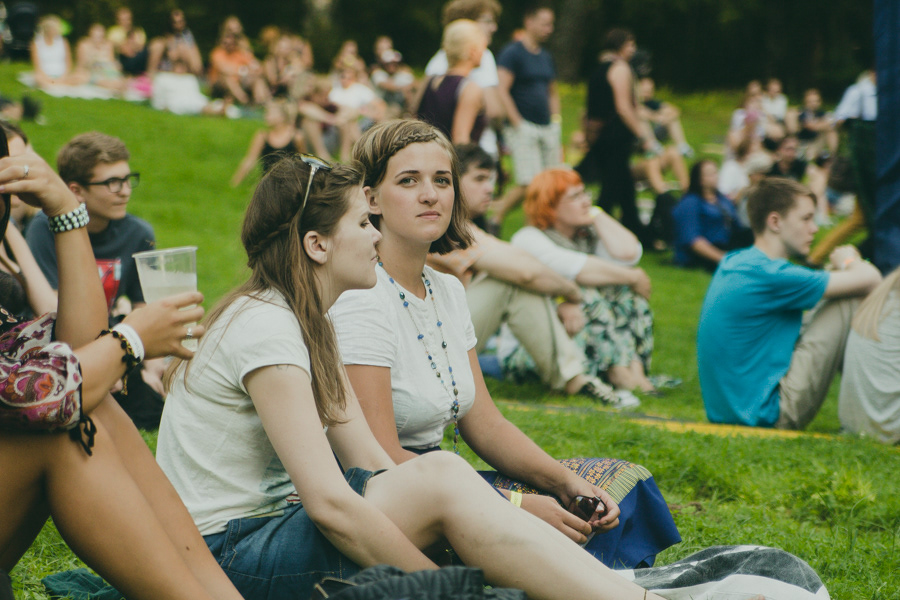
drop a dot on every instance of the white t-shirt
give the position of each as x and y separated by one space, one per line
374 328
869 401
52 56
355 96
732 178
212 445
485 74
775 107
179 93
564 261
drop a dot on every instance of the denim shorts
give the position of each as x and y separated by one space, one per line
282 558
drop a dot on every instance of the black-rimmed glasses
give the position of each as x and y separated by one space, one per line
314 163
114 184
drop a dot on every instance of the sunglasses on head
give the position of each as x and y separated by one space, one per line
315 164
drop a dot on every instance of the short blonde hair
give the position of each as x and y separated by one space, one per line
460 37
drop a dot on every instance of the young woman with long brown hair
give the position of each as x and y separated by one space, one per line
409 347
258 428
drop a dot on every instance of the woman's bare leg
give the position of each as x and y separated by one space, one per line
439 495
22 502
163 500
653 171
629 377
98 510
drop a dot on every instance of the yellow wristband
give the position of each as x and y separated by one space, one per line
556 118
516 498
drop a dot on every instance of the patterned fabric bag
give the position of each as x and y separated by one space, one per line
40 380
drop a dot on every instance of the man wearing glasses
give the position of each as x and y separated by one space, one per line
95 167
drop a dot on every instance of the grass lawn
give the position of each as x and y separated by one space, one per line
824 496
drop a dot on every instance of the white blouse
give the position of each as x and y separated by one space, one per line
374 328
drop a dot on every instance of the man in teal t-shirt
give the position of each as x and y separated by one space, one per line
756 368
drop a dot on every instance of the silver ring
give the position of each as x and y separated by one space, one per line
190 333
25 171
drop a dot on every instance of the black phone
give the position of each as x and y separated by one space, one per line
584 507
4 219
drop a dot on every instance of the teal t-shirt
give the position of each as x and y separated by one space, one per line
749 323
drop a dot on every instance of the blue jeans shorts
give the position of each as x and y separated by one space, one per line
282 558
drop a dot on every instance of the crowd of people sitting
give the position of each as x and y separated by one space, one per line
375 286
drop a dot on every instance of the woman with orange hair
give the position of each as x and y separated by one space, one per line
613 324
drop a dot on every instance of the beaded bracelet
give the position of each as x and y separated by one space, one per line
130 358
74 219
134 340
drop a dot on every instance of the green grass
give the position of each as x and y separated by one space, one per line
830 500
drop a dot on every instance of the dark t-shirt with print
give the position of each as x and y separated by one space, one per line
118 241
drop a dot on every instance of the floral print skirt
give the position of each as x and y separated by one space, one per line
619 330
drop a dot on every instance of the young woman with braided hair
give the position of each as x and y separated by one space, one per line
254 428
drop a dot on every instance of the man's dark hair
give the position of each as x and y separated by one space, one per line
535 8
773 194
473 156
77 159
615 39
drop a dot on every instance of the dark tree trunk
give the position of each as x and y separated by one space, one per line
572 33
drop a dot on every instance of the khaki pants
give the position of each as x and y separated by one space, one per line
818 355
532 319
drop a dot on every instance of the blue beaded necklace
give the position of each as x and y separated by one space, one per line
452 390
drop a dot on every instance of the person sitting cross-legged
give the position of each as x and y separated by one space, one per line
758 367
505 284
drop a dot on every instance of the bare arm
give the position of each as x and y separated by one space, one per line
505 262
493 104
36 61
160 325
470 102
68 56
553 100
598 272
373 387
41 296
503 446
621 243
81 312
311 110
620 80
283 397
703 248
253 152
852 275
507 79
353 440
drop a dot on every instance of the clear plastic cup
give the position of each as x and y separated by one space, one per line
168 272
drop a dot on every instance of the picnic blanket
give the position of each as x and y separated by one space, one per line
85 92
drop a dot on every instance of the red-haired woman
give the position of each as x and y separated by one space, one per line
613 324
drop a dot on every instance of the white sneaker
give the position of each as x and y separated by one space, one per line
626 399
